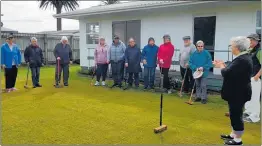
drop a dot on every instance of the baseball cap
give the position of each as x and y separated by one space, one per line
254 36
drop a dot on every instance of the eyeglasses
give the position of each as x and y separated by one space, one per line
200 46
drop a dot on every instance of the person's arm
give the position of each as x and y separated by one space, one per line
126 56
108 54
55 51
26 55
70 53
143 54
159 54
2 55
259 59
232 69
18 55
41 56
124 49
208 65
191 63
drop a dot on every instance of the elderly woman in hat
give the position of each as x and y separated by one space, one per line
101 61
236 88
10 60
164 55
116 56
34 58
201 61
63 55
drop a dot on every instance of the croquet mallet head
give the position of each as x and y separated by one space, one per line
26 87
160 129
189 102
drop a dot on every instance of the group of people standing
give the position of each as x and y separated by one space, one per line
11 59
128 60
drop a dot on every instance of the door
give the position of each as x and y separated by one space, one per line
204 29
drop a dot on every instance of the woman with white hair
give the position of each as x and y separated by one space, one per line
201 60
34 58
63 55
236 89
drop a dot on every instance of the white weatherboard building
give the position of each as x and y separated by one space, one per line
214 22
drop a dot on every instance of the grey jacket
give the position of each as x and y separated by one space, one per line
116 52
64 52
185 54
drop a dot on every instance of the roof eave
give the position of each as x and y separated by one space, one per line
77 15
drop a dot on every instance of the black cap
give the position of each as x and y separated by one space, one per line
116 37
186 38
166 36
254 36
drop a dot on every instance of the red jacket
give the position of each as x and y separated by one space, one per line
165 52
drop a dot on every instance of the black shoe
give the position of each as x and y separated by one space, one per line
203 101
127 87
120 86
145 88
34 86
152 88
57 86
38 85
197 100
232 142
114 85
65 84
226 137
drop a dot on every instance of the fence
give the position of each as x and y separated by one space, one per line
46 42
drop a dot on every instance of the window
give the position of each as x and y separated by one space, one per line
258 22
92 33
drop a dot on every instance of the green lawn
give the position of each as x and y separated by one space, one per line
82 114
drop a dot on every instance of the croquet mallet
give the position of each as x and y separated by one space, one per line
58 73
93 76
182 86
190 102
26 83
161 128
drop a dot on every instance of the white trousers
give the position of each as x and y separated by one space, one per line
252 107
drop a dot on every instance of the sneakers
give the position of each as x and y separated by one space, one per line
226 137
169 91
13 89
103 83
203 101
97 83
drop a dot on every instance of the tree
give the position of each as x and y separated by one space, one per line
68 5
109 2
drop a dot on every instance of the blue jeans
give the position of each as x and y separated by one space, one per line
149 76
35 72
117 71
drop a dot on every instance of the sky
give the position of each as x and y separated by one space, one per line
26 17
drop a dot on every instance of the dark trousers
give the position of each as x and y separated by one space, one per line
10 77
35 72
188 80
117 71
131 77
166 83
236 116
101 71
149 76
58 71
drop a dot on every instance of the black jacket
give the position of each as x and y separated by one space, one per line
237 80
65 53
256 63
34 55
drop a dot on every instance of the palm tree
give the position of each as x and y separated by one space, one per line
109 2
68 5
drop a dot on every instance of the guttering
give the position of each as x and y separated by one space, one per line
142 7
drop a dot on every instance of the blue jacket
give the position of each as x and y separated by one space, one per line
8 56
133 58
201 59
64 52
149 53
116 52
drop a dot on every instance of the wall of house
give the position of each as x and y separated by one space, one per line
231 21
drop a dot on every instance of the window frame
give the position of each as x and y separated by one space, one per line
258 27
92 32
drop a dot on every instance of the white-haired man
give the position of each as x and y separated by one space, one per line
63 55
236 88
34 58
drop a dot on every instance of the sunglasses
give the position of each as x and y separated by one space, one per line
200 46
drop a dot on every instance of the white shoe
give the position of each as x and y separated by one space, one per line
169 92
103 83
97 83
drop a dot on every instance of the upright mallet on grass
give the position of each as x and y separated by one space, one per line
182 86
58 73
26 83
190 102
161 128
93 76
